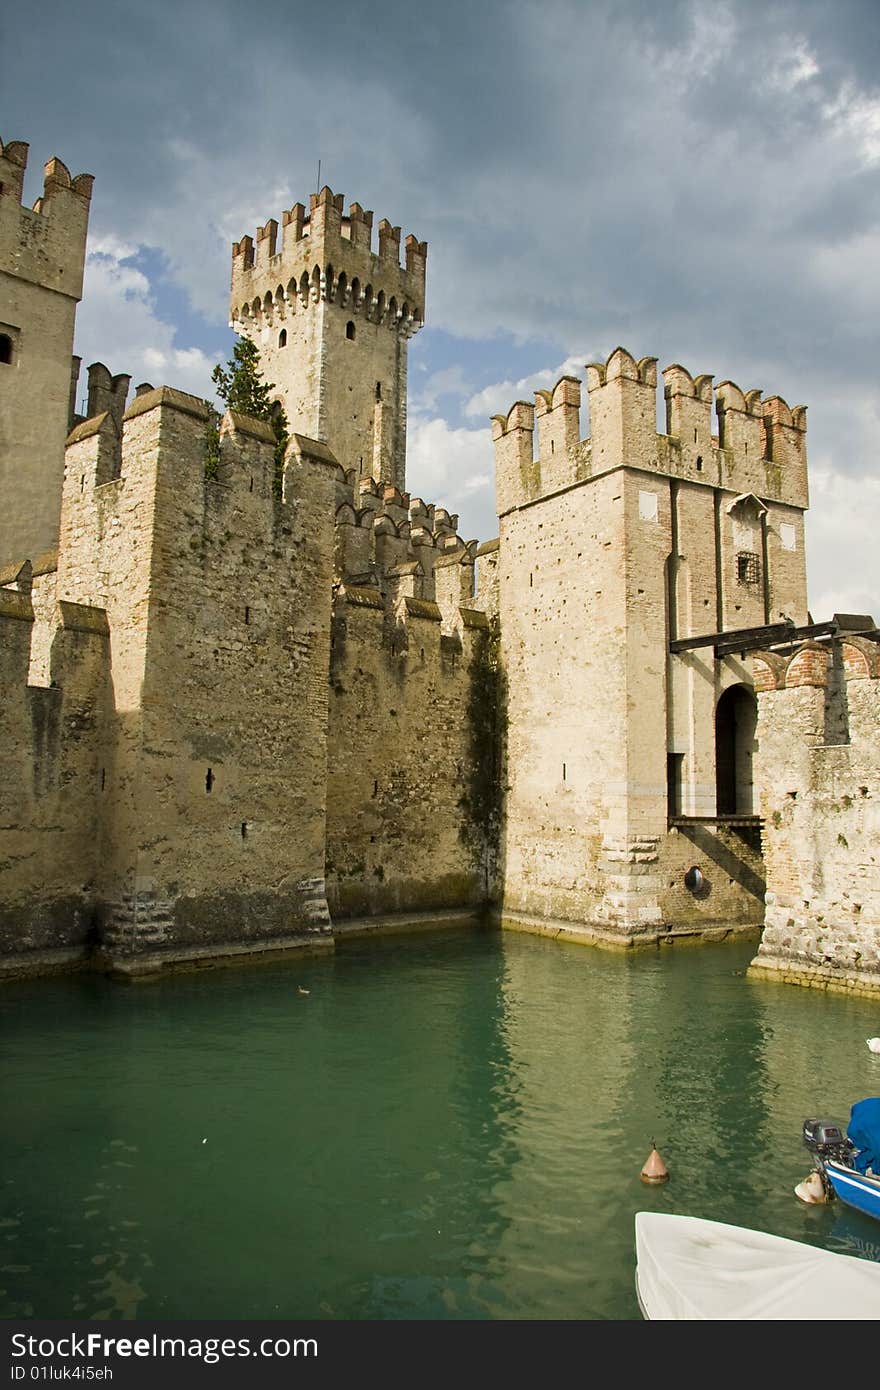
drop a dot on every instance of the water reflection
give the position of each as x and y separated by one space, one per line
442 1128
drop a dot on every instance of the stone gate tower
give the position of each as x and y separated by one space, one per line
42 255
332 319
637 571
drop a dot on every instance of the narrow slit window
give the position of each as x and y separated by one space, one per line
209 779
247 615
5 349
349 330
282 338
674 772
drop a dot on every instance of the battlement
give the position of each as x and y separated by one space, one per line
400 623
759 446
44 244
397 543
131 482
105 393
327 256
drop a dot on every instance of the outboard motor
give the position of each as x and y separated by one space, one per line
825 1140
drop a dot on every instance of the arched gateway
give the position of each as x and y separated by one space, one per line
735 719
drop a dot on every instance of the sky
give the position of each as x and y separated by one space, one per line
699 182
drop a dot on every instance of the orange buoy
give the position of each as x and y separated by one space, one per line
655 1169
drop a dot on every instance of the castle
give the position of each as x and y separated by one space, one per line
239 724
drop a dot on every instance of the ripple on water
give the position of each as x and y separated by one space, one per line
451 1128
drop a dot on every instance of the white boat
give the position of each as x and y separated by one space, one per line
691 1269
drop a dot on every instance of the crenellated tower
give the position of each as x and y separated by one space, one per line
635 570
332 318
42 256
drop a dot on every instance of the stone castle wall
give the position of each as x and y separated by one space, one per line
51 781
409 741
170 718
230 715
819 779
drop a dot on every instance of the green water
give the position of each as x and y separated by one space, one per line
444 1127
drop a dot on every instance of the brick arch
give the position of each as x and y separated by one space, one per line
809 666
767 673
856 662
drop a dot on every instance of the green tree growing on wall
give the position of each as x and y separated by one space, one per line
241 387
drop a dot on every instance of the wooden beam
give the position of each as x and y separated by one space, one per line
732 643
768 633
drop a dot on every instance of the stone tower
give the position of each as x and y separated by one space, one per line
332 319
42 255
623 557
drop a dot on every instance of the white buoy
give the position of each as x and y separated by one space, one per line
874 1044
812 1189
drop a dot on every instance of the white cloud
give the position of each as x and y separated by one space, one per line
500 396
856 117
842 526
794 68
454 468
117 324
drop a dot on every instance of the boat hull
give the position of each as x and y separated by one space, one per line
858 1190
690 1269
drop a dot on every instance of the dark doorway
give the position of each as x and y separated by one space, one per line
735 719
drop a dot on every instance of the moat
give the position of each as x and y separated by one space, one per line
443 1127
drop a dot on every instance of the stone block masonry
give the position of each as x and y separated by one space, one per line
820 797
609 548
237 724
405 829
51 774
212 612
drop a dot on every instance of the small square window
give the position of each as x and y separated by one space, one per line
748 568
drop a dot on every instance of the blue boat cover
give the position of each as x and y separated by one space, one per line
864 1131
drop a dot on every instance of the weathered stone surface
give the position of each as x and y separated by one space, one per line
820 775
42 255
608 547
234 721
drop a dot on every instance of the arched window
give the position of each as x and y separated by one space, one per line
5 349
282 338
349 330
